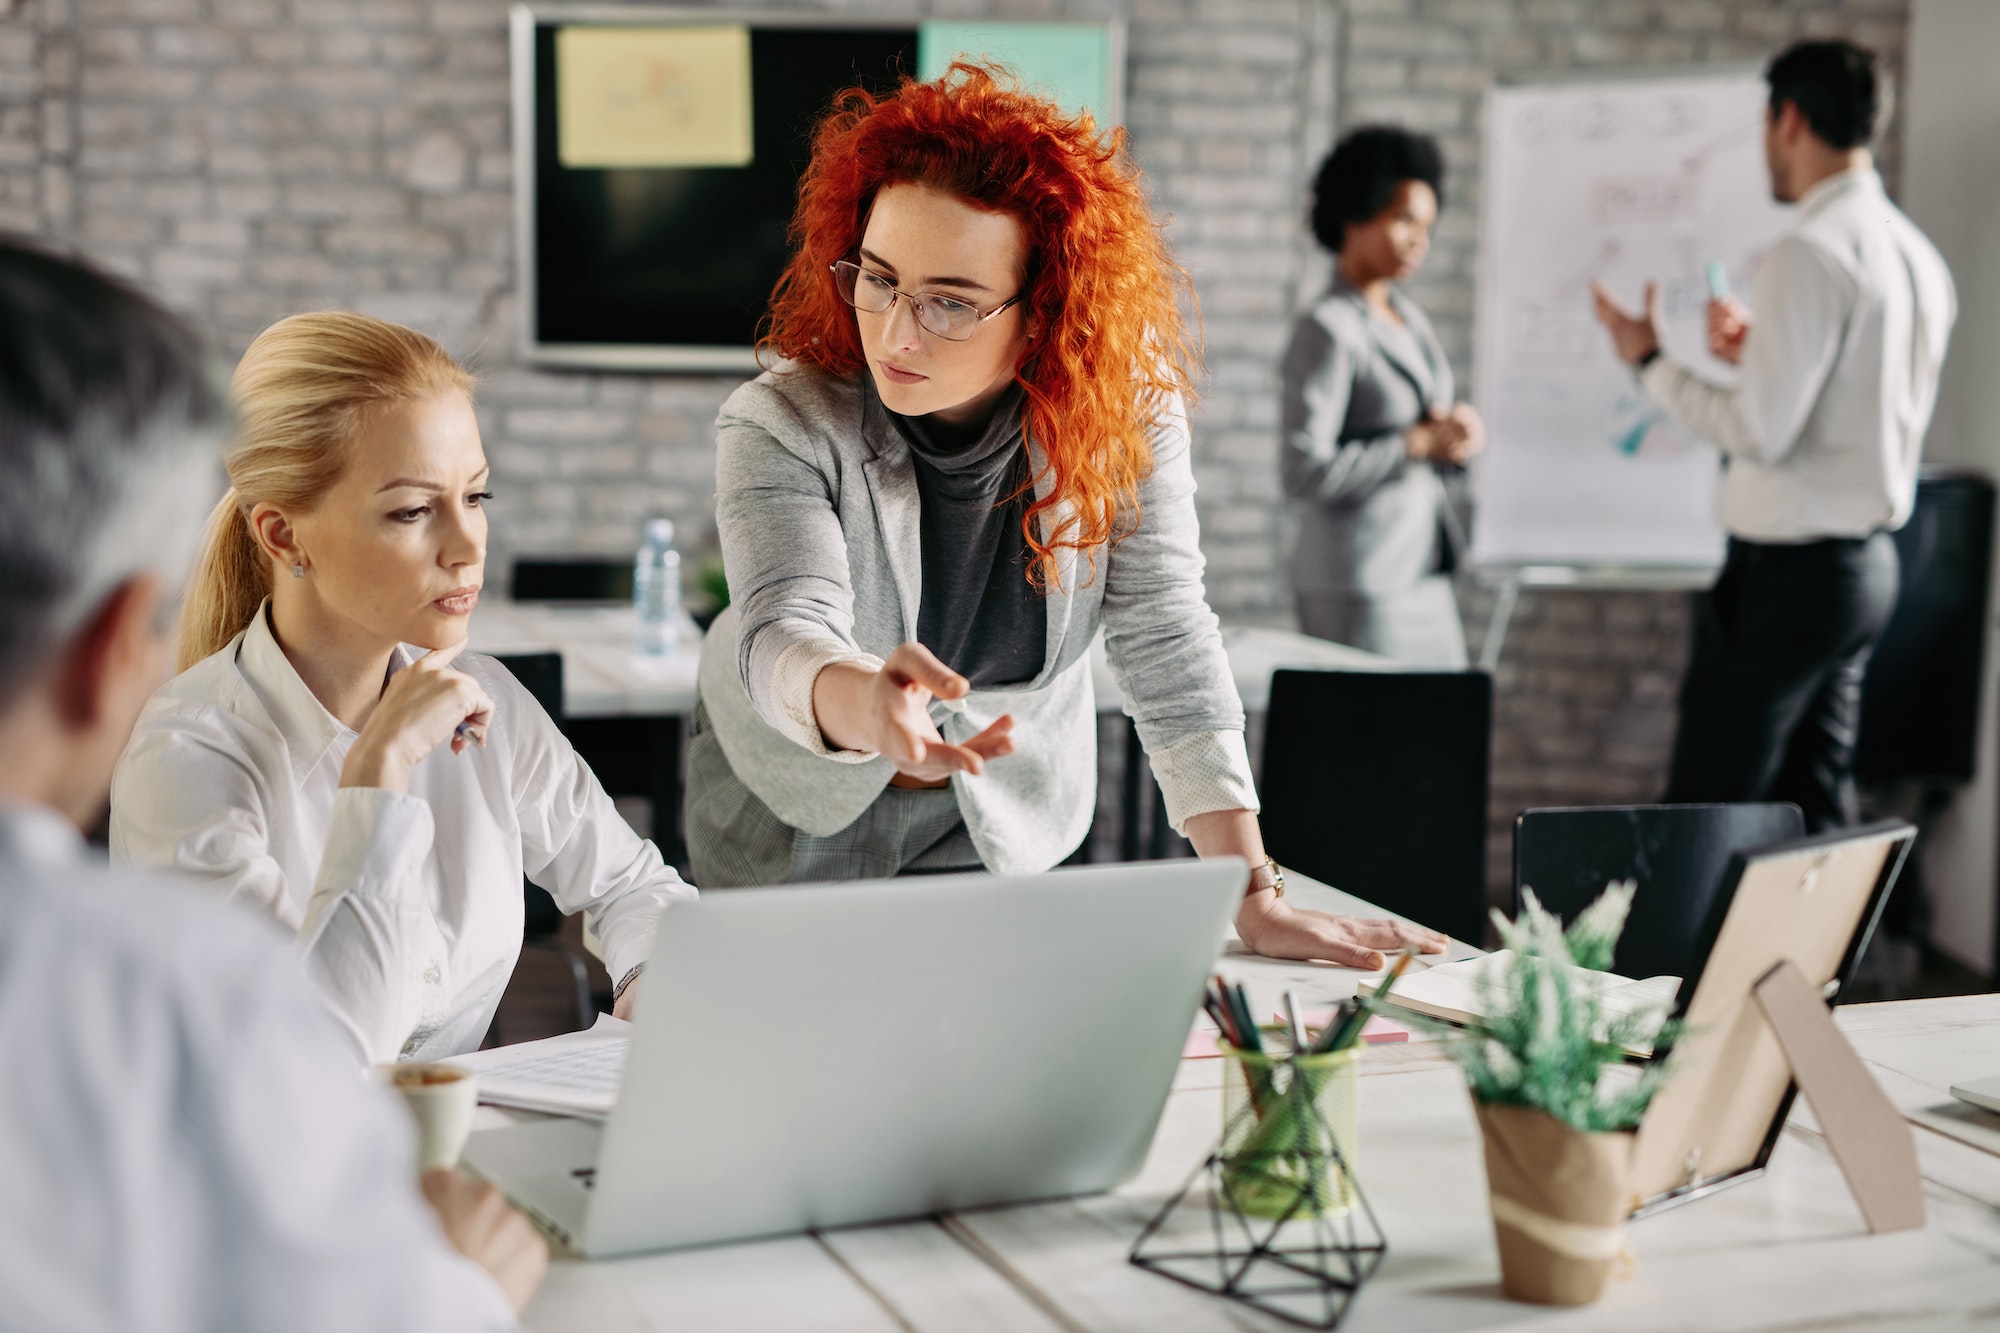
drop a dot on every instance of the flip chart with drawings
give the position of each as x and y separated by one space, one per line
1618 181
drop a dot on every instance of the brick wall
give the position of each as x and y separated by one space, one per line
252 158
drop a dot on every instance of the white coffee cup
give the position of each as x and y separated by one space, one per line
442 1098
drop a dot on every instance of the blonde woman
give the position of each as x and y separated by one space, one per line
328 753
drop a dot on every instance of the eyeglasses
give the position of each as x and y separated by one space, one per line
945 316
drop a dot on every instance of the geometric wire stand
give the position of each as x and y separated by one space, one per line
1279 1221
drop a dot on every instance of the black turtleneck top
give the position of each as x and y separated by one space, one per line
978 612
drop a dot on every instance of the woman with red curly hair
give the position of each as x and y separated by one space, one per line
970 455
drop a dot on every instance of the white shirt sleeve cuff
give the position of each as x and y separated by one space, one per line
1660 379
1203 773
376 841
792 686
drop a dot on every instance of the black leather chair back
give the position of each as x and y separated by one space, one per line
1920 703
1375 782
541 674
576 578
1677 853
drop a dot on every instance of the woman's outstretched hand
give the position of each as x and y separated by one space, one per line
888 711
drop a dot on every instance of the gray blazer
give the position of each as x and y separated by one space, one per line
1371 522
818 510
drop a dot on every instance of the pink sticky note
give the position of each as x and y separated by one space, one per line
1375 1031
1202 1042
1201 1045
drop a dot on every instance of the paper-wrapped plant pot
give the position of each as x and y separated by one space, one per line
1560 1197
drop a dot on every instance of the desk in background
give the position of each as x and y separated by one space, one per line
603 677
1785 1252
625 713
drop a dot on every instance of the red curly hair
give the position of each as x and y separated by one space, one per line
1113 349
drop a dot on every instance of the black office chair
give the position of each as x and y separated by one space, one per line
1375 782
541 674
1677 853
632 756
571 578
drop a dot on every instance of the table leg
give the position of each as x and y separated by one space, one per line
1504 598
1130 789
666 751
1158 847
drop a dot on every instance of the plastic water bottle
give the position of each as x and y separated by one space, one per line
656 590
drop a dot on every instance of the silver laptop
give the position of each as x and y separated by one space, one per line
1980 1092
818 1055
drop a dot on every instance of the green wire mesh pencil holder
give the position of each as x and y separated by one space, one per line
1275 1218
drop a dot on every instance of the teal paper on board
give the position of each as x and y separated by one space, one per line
1069 63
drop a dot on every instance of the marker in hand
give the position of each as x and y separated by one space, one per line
1728 321
471 731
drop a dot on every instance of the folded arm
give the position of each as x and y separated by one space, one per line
1315 462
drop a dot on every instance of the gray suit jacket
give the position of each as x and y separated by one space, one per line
818 510
1371 522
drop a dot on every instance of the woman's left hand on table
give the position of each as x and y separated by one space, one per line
1270 926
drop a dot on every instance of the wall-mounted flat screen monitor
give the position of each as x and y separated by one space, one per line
657 156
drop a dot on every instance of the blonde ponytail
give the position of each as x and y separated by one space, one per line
301 391
230 581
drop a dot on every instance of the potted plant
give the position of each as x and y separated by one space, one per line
1556 1101
712 591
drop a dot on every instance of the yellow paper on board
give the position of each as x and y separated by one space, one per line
653 97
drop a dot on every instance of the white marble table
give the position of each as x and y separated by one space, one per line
1787 1252
603 677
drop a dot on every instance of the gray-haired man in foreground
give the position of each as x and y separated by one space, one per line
184 1142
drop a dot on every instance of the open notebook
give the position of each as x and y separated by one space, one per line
1450 992
575 1074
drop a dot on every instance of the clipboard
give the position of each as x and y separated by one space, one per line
1783 941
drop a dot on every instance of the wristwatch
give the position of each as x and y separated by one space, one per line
618 991
1267 876
1651 355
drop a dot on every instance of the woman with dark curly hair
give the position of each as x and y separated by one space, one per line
1368 416
969 456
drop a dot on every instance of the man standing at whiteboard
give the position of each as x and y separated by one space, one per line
1839 350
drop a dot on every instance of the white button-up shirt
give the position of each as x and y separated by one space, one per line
1853 307
409 906
185 1144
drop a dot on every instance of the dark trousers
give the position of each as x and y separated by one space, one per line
1771 706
